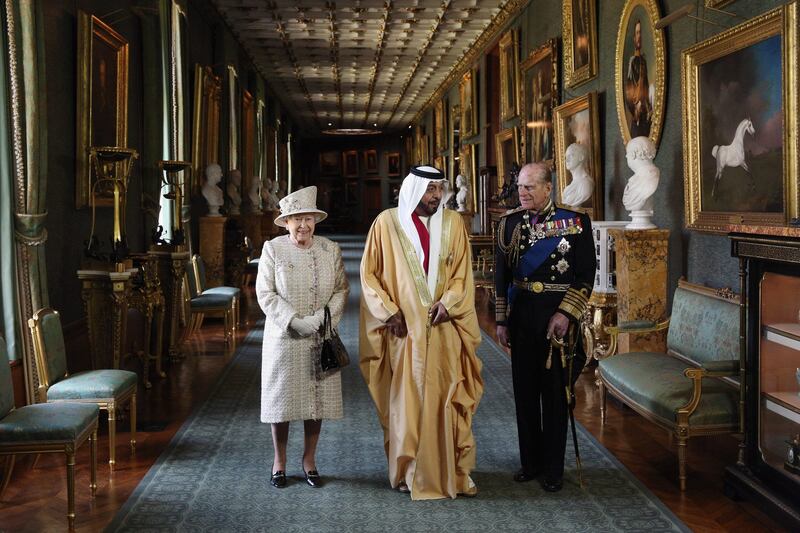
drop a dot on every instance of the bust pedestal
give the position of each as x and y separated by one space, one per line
212 249
641 284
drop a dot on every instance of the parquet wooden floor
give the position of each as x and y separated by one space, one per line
36 498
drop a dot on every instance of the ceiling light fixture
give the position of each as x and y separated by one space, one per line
350 131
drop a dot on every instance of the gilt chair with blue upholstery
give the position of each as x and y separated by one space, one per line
223 300
45 428
107 388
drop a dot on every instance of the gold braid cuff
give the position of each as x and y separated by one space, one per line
574 303
500 308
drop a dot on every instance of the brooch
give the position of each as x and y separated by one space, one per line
562 266
563 246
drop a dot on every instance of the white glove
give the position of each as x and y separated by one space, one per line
314 321
302 326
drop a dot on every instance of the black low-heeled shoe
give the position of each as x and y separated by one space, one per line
313 478
278 479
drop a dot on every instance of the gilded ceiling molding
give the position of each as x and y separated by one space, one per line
382 33
511 9
439 18
334 51
287 45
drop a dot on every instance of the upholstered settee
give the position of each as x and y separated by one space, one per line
692 388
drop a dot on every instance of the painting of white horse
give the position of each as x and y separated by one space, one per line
732 155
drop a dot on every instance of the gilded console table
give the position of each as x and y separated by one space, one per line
171 269
105 299
146 296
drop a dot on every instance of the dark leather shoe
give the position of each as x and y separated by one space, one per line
278 479
552 485
313 479
523 476
402 487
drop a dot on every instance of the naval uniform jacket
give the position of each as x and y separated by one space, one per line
552 255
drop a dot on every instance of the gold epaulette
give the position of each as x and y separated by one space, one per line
512 211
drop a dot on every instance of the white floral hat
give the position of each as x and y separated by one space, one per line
301 201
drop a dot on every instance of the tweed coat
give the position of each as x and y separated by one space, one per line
294 282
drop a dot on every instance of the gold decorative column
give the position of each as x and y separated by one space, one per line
641 284
171 268
105 299
212 249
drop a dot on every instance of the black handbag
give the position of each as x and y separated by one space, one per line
333 355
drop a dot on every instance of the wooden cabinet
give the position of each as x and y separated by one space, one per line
768 468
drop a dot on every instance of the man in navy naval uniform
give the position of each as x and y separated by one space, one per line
545 267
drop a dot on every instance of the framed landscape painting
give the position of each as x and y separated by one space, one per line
741 115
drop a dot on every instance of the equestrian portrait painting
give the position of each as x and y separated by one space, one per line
740 141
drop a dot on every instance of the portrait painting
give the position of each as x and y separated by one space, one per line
509 66
539 96
640 71
102 91
579 172
580 41
506 151
467 91
741 113
371 161
350 164
393 164
329 163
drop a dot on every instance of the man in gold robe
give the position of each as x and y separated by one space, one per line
418 337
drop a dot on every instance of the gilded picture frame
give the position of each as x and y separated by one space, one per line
468 93
350 163
640 71
393 164
440 126
740 111
577 121
579 19
509 70
506 145
205 121
538 96
467 167
234 99
371 161
102 94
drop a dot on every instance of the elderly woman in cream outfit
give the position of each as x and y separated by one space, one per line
298 275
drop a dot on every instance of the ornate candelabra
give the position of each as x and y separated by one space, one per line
174 178
112 166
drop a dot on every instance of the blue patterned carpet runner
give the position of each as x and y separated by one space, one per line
214 475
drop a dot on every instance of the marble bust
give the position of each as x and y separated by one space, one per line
211 191
638 195
269 193
579 190
234 190
254 194
461 195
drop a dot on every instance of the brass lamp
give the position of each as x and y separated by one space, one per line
112 167
174 178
